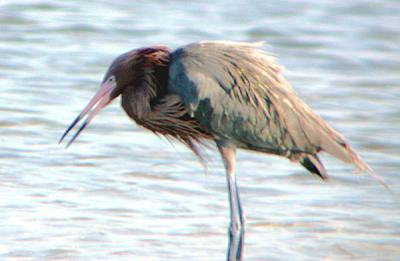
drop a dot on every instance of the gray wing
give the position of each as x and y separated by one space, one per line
237 92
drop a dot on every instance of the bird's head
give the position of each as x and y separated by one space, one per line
124 71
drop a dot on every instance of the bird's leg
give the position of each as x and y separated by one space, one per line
237 225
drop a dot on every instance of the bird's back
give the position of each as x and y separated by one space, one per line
237 92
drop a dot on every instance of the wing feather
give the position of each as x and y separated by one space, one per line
237 92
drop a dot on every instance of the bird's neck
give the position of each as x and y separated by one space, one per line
150 84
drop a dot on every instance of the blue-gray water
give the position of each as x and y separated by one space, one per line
120 193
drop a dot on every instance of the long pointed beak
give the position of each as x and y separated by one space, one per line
102 99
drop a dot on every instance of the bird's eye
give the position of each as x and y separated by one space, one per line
111 79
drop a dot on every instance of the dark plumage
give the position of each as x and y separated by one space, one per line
145 97
232 93
237 92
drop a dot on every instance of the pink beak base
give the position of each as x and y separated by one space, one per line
102 99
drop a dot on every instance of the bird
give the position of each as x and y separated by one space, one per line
231 93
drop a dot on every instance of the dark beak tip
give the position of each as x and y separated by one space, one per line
77 134
69 129
63 136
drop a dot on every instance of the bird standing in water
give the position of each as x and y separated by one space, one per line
231 93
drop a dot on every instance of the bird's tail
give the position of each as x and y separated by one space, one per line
340 149
361 165
349 155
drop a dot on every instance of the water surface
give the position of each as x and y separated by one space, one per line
120 193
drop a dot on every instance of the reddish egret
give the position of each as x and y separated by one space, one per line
232 93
